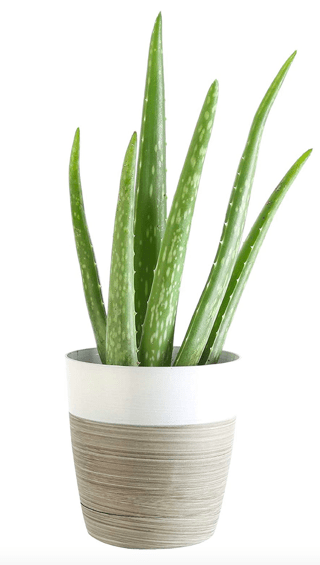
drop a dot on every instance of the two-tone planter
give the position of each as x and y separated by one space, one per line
152 448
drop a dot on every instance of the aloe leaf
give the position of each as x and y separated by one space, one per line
151 205
245 262
208 306
121 330
157 334
88 265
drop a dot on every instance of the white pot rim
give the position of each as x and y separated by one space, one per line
90 356
151 396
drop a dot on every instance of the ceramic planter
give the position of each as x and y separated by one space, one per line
152 447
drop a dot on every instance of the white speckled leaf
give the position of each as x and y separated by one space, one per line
151 203
87 260
157 334
121 331
245 262
208 306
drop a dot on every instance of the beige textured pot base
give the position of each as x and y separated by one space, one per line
150 487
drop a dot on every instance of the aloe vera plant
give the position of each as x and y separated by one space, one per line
148 251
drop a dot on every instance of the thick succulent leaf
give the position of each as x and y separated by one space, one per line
88 265
245 262
157 334
150 206
212 295
121 329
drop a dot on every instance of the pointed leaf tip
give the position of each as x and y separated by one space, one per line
158 22
215 85
306 155
76 139
292 56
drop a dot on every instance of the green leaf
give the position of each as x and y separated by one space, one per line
245 262
88 265
121 330
214 290
150 206
157 335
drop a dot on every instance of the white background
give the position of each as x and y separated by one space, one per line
68 64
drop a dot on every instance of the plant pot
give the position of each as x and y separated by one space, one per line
151 447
